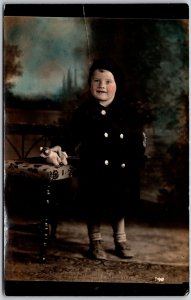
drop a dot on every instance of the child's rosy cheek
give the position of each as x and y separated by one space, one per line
112 89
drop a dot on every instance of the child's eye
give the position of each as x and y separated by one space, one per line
108 81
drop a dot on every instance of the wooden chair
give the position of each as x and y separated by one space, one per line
37 168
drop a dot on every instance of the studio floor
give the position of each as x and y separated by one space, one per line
161 257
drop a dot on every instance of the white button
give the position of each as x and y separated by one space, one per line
103 112
106 162
106 134
121 136
123 165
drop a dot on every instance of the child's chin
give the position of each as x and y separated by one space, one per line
101 98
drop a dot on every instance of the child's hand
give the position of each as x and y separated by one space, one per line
54 155
64 157
61 154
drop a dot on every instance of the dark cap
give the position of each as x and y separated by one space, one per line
109 65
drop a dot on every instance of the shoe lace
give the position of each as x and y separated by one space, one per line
123 246
97 245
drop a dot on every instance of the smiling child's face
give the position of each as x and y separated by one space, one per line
103 86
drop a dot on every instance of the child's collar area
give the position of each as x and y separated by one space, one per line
106 103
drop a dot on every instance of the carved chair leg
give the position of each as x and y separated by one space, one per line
44 234
54 210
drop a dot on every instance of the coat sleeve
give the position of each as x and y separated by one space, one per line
139 139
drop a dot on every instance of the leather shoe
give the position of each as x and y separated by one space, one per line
96 250
122 250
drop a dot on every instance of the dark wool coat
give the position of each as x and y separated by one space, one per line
111 153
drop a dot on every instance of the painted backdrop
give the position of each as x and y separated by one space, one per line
45 72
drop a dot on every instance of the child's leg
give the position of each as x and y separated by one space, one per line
94 232
96 250
121 248
119 234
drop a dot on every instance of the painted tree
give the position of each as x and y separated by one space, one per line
12 65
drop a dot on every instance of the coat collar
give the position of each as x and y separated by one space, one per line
115 103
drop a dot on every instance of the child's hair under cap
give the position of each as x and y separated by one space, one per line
109 65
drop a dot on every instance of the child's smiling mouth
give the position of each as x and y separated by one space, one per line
101 92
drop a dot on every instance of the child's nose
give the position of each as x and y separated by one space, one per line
101 84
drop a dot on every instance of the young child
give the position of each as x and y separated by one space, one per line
111 153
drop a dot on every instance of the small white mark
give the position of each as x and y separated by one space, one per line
159 279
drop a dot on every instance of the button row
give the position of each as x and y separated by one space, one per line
121 135
106 162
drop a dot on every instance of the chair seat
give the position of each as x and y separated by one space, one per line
37 168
